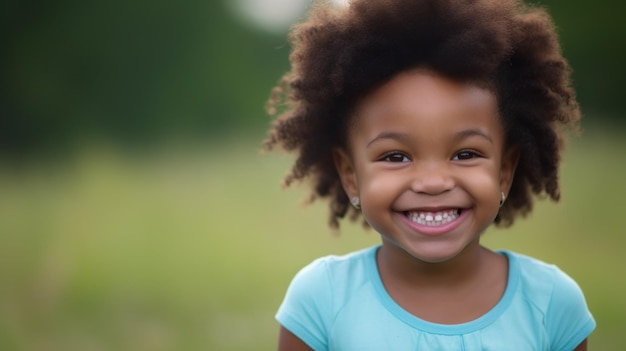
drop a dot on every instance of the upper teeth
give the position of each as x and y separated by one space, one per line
433 218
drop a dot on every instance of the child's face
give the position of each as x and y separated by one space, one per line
427 160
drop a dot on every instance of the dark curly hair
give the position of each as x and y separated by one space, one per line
340 54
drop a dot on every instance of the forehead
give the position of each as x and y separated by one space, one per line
427 108
429 93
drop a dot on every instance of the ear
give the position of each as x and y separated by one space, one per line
510 158
345 169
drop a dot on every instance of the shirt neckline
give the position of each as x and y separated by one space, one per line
446 329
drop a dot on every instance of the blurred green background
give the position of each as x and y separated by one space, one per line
136 212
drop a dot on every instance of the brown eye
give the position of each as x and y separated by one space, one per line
396 157
465 155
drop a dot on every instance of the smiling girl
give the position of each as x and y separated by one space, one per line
431 119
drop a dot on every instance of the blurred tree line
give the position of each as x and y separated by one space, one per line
137 70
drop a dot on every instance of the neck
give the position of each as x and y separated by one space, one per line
401 266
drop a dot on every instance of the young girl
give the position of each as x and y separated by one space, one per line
432 119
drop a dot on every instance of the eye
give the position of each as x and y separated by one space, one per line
465 155
395 157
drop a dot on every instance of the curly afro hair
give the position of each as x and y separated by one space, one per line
340 54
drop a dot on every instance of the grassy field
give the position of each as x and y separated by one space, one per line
192 248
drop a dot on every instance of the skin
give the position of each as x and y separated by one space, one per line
424 144
289 342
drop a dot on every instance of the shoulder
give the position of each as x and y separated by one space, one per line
557 297
318 290
540 281
334 269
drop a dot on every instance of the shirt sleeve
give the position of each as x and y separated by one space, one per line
307 306
568 320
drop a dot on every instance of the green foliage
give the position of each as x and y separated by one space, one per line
134 71
137 70
590 34
192 247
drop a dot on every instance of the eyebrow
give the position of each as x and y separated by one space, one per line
464 134
389 135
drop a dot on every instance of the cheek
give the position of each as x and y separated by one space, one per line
379 184
379 187
483 184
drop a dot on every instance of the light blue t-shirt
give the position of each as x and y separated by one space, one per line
340 303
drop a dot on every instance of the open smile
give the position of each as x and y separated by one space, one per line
433 219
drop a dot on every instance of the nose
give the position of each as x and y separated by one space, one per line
431 179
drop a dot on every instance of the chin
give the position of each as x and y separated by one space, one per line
435 255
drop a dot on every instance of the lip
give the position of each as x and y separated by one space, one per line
434 230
